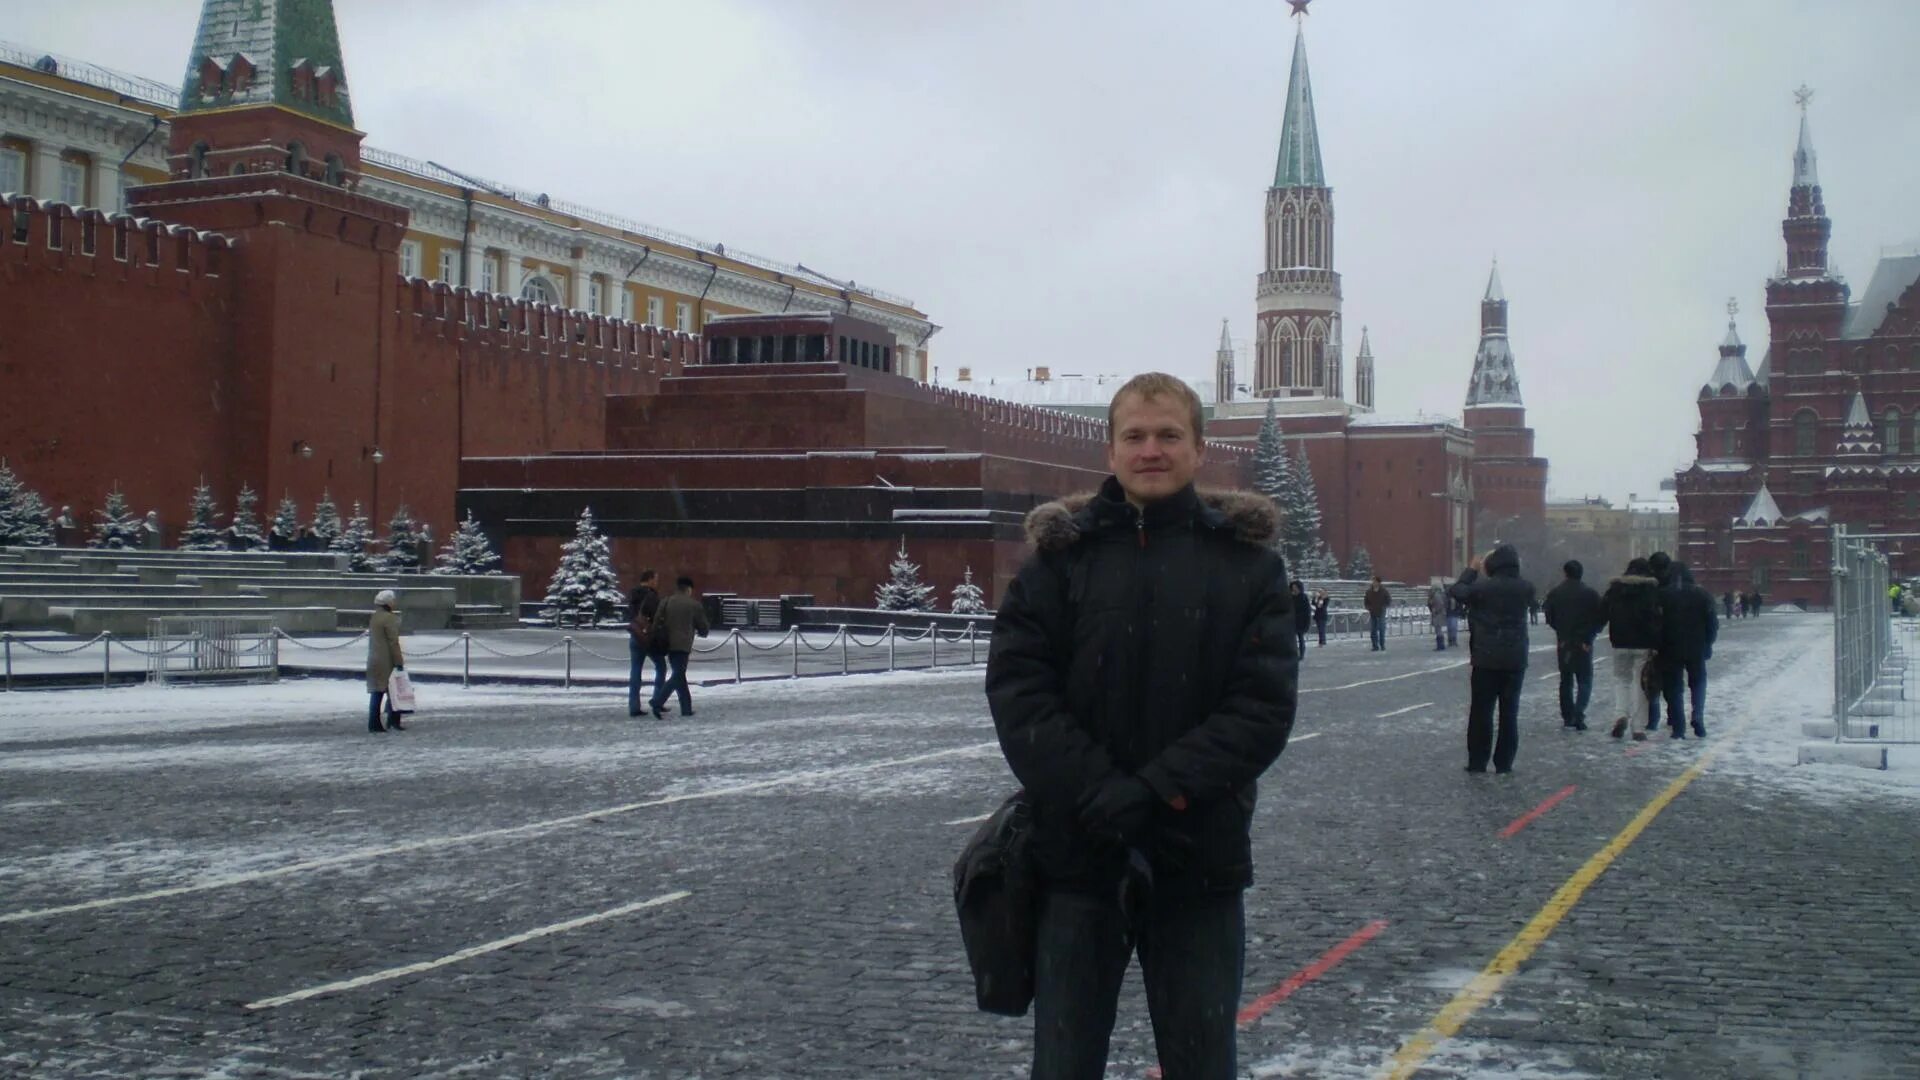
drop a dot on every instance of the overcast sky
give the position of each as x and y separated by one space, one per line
1080 184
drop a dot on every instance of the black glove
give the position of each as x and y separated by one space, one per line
1120 808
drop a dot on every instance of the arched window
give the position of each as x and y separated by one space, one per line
1913 442
197 161
297 158
1313 238
1289 238
336 173
540 291
1805 423
1801 556
1317 358
1285 356
1729 442
1890 430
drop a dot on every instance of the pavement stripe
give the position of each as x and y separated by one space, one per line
1388 679
1532 815
1485 985
1408 709
468 953
485 834
1304 738
974 820
1328 960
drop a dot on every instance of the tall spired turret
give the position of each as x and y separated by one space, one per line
1297 351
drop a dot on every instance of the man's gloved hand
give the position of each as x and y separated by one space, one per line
1120 807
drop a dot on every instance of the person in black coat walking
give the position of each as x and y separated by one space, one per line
1573 610
1688 629
1320 602
1632 609
1142 676
1497 604
1302 615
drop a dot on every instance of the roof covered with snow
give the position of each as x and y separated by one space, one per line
1894 275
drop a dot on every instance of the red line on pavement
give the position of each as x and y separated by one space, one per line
1528 818
1327 962
1635 749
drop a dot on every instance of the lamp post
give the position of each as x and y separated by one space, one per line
374 455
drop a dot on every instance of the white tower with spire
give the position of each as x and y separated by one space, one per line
1363 373
1223 368
1297 351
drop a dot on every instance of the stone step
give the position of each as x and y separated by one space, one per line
133 622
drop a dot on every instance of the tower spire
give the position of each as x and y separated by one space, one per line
1299 164
268 52
1806 165
1494 380
1806 228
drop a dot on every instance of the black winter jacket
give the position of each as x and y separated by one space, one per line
1159 646
1497 605
1633 609
1302 612
1688 623
1573 610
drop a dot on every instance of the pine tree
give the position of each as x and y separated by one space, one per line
584 587
1300 532
24 521
1272 472
353 540
967 597
1320 565
116 527
905 592
326 522
243 529
1361 568
201 533
403 544
286 520
467 551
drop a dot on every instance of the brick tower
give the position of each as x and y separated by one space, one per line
1509 482
264 151
1297 350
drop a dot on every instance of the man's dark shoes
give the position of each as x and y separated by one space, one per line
374 729
1676 733
395 725
1508 771
1476 768
1699 731
686 712
1619 727
657 714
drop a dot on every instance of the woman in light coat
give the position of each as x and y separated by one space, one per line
383 659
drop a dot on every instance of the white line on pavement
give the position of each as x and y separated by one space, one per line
467 954
1304 738
975 820
1388 679
1400 712
485 834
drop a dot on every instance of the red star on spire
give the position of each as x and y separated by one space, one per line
1299 6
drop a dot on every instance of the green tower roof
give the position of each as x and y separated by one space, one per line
1299 164
268 52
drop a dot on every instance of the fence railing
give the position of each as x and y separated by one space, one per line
1872 700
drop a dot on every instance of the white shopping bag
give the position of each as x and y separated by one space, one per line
400 692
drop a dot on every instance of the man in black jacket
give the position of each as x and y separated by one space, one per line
1688 629
1497 605
641 607
1142 677
1573 610
1633 611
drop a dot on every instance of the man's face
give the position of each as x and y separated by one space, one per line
1155 451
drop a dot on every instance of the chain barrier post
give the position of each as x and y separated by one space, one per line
843 651
735 634
7 640
934 632
466 661
973 656
889 646
106 660
568 683
795 632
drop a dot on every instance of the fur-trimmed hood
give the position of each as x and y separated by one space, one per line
1252 518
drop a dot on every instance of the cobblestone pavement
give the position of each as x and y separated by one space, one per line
154 887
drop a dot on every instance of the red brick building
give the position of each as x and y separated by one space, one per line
1826 431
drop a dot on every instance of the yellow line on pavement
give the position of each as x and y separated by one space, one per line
1477 993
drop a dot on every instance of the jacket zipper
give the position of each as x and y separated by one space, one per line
1140 529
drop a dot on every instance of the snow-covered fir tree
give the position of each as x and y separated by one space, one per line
467 551
201 534
967 597
1361 567
904 591
24 521
243 529
353 540
326 521
114 525
286 521
584 587
1272 471
1300 531
403 544
1319 565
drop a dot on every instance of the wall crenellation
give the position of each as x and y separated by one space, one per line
63 237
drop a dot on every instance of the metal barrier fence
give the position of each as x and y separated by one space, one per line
229 647
1872 698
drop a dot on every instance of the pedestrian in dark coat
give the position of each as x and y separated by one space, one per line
1377 599
1497 604
1726 604
1688 629
1633 610
1302 615
1142 677
641 608
676 622
1573 610
1320 602
1437 616
1753 602
383 659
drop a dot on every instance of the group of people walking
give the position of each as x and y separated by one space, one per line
1740 605
662 629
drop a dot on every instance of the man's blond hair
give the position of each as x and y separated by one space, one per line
1158 384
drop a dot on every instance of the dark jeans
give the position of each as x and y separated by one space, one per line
1192 953
1321 625
1694 672
1377 629
1490 688
1453 628
1576 679
678 683
375 699
1300 642
638 652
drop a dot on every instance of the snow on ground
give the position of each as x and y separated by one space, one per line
1762 722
